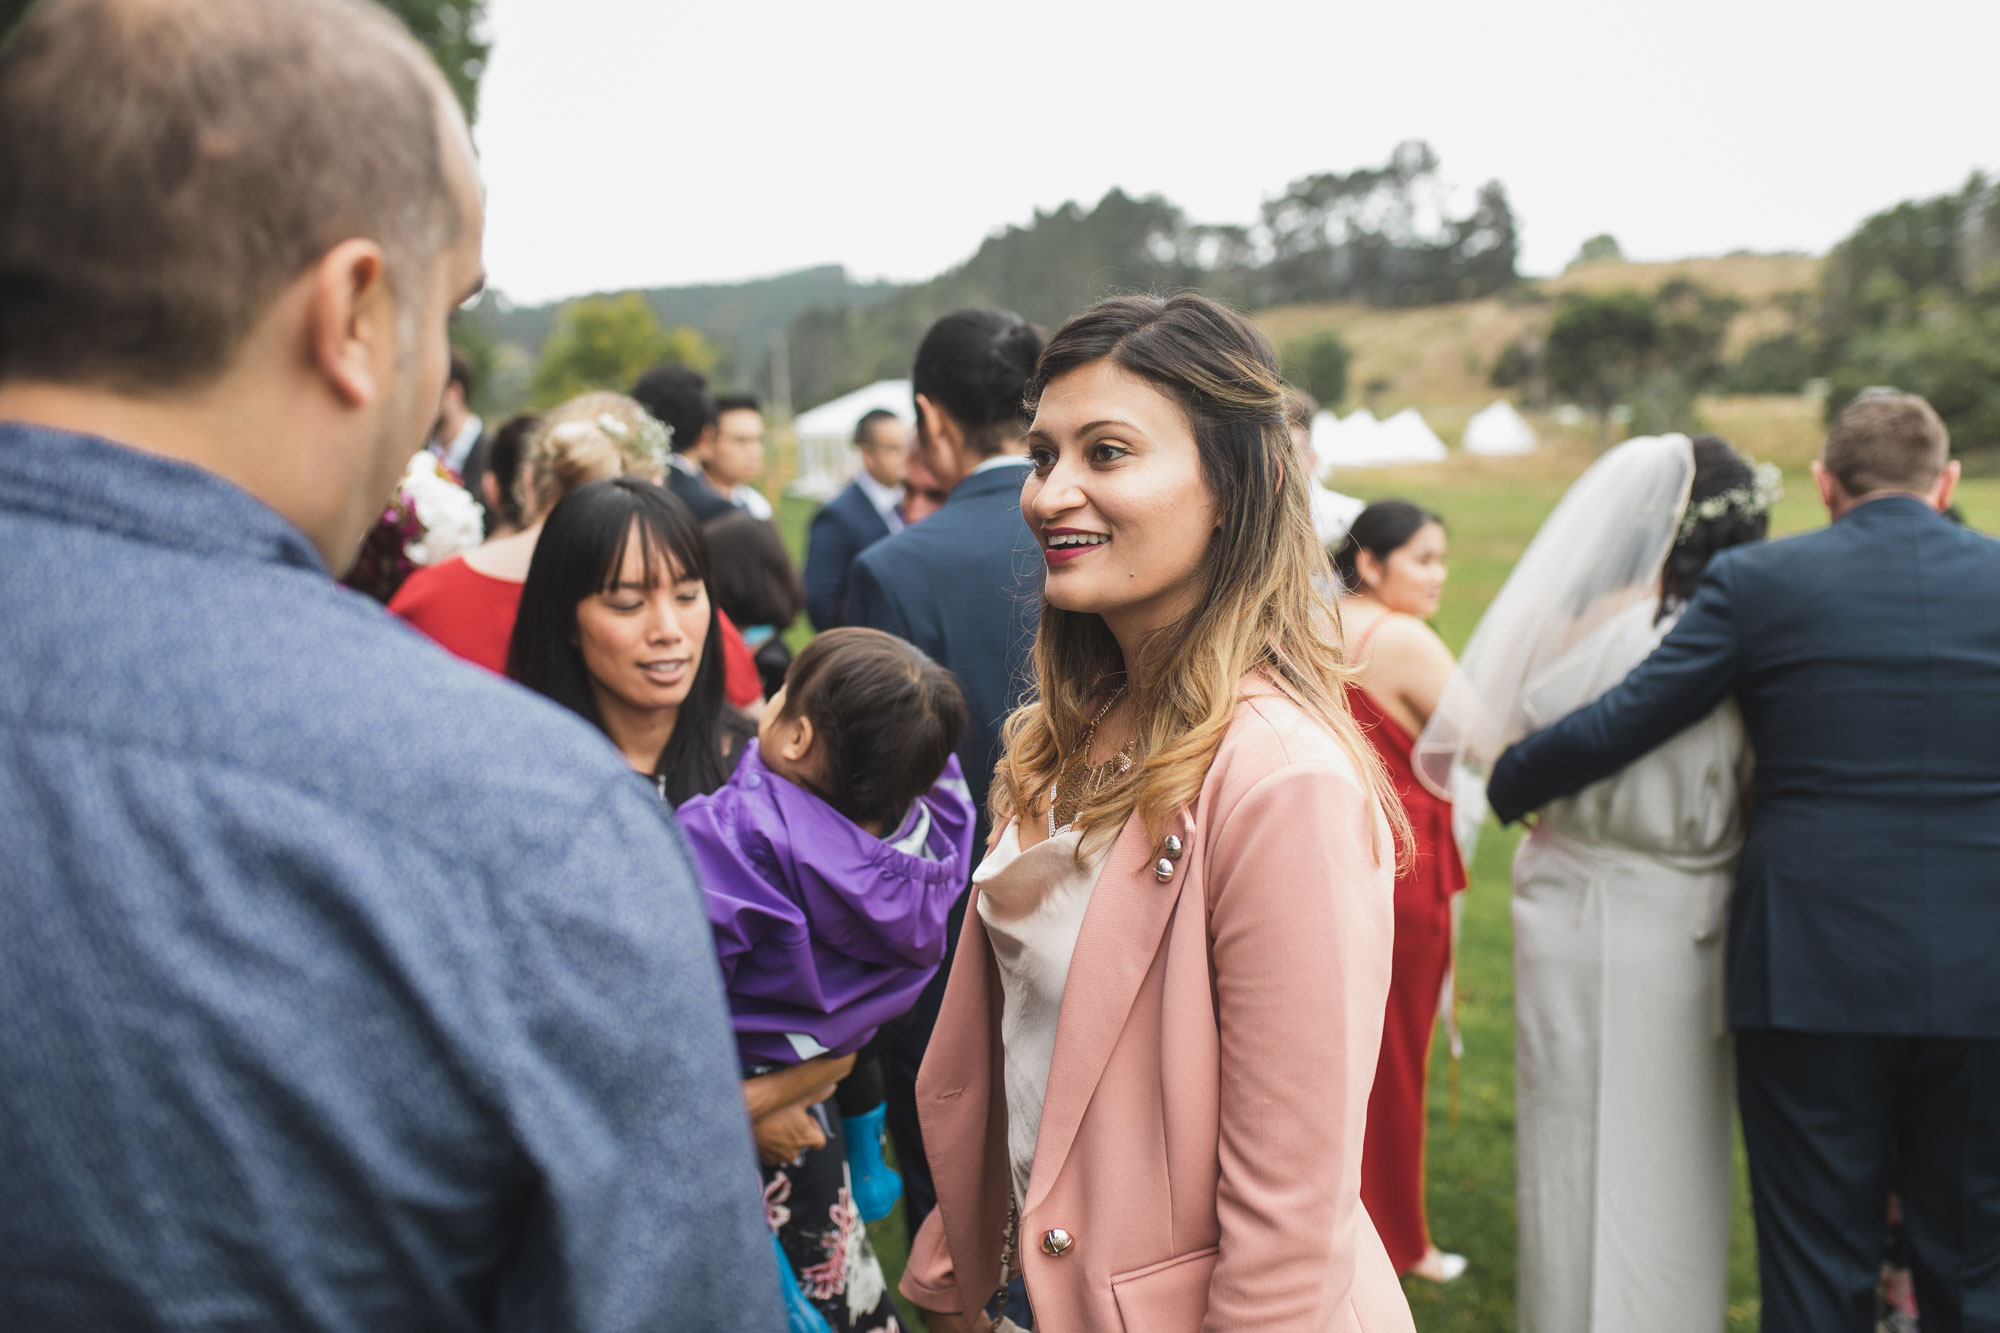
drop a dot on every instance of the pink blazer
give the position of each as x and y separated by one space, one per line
1200 1145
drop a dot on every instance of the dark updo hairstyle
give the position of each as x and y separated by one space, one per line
581 550
975 364
1717 469
1381 529
503 463
885 716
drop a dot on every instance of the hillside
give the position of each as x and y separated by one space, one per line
1439 359
739 319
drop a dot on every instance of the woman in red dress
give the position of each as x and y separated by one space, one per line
1392 571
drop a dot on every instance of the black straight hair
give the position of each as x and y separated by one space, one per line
976 364
1382 529
582 547
885 716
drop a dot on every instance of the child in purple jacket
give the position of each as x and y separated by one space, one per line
832 857
830 861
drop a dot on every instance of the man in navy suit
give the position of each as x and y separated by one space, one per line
678 395
964 585
1862 983
852 521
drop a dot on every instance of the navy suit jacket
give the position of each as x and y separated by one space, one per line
964 585
1866 660
697 495
845 526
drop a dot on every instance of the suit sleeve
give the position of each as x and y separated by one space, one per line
1301 884
871 604
622 1084
929 1282
829 557
1684 680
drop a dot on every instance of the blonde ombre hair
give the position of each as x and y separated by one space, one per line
589 438
1264 609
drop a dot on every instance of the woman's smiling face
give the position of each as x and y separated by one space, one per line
642 646
1117 499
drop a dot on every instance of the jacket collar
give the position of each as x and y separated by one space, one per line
1883 506
124 492
1128 912
988 480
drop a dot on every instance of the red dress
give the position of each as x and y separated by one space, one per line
1392 1153
472 616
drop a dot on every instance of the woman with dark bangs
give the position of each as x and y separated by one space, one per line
617 624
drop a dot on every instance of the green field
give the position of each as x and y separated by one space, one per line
1492 509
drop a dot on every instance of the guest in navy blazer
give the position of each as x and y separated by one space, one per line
965 586
1862 986
867 511
679 397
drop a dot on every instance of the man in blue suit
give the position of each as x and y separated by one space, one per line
852 521
964 585
1862 985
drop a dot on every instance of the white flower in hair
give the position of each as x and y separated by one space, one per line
1766 488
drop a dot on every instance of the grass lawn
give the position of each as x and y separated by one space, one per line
1493 508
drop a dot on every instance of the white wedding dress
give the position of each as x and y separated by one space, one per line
1623 1062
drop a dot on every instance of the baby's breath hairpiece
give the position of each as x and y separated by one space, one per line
1764 489
653 437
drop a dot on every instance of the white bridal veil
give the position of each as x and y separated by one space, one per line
1597 555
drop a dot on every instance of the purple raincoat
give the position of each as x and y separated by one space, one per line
825 931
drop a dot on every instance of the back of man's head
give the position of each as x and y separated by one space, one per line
1885 441
678 396
169 166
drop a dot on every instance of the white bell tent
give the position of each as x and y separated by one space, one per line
1498 431
826 435
1362 441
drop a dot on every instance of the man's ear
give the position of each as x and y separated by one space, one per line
1830 493
704 444
350 315
1941 497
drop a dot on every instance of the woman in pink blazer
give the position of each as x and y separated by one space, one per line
1147 1087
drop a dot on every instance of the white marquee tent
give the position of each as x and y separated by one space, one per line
1362 441
1498 430
826 435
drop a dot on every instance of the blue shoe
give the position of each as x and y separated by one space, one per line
876 1186
800 1317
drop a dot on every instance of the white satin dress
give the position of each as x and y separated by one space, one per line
1625 1091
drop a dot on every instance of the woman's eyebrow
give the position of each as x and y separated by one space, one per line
1088 427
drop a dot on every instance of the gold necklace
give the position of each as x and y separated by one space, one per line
1071 787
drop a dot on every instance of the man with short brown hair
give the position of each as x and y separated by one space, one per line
1862 991
345 987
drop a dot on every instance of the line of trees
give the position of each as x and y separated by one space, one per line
1383 235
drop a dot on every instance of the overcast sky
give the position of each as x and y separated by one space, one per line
633 143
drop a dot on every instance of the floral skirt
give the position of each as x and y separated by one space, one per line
809 1203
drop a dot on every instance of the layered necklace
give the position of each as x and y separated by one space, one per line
1077 779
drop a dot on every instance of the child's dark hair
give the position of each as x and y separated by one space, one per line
885 716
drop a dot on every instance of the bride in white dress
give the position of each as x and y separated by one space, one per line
1623 1062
